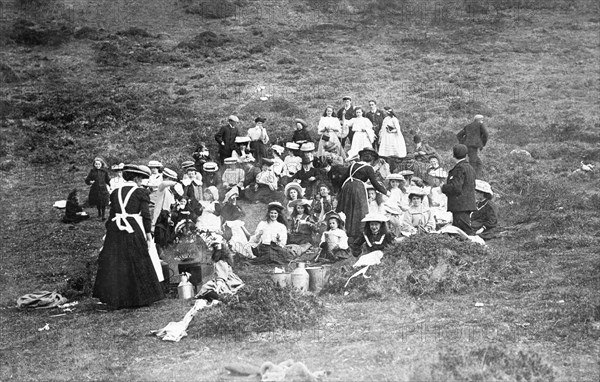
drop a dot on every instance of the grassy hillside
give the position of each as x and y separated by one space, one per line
134 81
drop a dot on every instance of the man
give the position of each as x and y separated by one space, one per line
474 136
376 117
460 190
346 113
226 137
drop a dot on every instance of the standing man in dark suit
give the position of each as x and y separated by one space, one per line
376 116
346 113
474 136
226 137
460 190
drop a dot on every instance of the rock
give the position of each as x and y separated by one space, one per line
522 155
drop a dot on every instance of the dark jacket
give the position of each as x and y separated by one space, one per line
474 135
460 188
349 114
226 135
376 118
302 135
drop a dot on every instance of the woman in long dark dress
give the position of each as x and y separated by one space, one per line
126 277
352 198
99 180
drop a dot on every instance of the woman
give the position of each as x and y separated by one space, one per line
352 199
258 139
73 212
168 193
484 221
391 141
126 277
99 180
265 187
117 180
363 136
301 134
418 218
376 236
224 282
303 225
329 128
307 177
270 238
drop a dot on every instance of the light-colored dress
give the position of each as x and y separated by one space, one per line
391 141
364 135
208 221
330 128
416 218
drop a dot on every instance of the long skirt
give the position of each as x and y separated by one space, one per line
352 201
359 142
391 144
263 194
259 150
272 254
126 277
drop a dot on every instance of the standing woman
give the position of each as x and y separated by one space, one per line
258 139
126 277
352 199
390 136
329 129
363 135
99 180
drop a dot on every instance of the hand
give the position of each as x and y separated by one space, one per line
312 179
222 143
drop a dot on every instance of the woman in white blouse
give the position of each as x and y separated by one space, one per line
270 238
364 135
329 130
391 141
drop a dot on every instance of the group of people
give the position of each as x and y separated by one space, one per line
353 190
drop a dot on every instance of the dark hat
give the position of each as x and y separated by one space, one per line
260 119
369 150
140 170
346 98
340 216
267 161
306 161
275 206
460 151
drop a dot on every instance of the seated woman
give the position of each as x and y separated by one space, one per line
307 177
438 202
292 162
224 281
398 197
74 212
183 217
395 215
322 204
484 221
334 241
234 229
209 219
301 134
373 200
418 218
375 237
302 225
270 238
265 188
293 191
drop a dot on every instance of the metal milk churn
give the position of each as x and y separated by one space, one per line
300 277
185 289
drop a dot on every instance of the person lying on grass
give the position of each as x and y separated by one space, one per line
224 280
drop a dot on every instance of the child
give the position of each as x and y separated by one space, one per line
99 180
167 194
164 231
334 241
192 181
73 212
117 180
234 229
438 202
293 191
418 217
375 235
224 282
373 200
484 220
209 219
398 197
291 163
395 223
233 175
303 226
323 203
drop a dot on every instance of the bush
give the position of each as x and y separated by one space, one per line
262 306
424 265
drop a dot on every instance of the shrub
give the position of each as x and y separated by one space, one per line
424 265
262 306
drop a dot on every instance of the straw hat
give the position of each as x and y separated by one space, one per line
308 146
278 149
154 163
302 202
414 190
239 139
393 210
187 164
292 145
231 193
369 150
397 177
301 121
230 160
293 186
233 118
375 217
210 167
117 167
406 172
483 186
169 173
141 170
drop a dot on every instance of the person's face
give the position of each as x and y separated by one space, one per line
479 196
375 227
333 224
394 183
293 194
415 201
208 195
98 164
371 194
373 106
359 113
299 209
273 214
329 112
182 203
479 121
154 170
324 191
191 173
347 103
434 163
367 157
259 124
